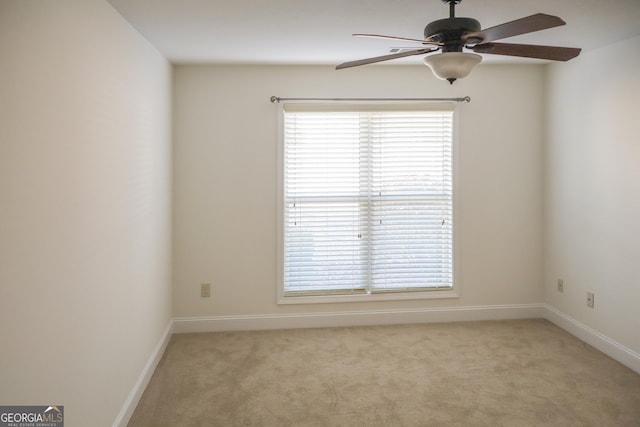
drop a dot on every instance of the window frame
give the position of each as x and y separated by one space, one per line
442 293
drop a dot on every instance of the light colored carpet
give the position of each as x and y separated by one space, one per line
502 373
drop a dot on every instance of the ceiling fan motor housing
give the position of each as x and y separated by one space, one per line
449 31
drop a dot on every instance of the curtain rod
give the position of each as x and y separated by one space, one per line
275 99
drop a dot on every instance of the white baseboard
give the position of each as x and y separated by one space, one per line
355 318
145 376
611 348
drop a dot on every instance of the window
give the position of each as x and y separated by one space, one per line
366 201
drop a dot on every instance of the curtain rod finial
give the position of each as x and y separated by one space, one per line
274 99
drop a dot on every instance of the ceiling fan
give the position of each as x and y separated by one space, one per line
451 35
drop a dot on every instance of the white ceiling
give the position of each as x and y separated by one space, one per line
319 31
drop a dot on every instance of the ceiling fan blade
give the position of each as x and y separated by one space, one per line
381 36
554 53
529 24
383 58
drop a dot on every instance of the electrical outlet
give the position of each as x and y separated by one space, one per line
590 299
560 285
205 290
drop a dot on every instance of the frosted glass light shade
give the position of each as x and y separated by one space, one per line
452 65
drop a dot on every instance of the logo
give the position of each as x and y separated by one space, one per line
32 416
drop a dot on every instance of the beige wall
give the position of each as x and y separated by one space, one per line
592 190
85 194
225 181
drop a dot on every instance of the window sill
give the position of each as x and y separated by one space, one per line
391 296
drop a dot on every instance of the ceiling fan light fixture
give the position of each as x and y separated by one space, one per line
452 65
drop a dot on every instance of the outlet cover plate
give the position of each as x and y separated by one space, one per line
205 290
590 299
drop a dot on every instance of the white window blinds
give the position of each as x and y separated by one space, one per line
367 200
